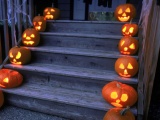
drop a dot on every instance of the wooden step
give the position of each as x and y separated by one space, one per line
87 27
9 112
80 40
83 103
93 74
96 59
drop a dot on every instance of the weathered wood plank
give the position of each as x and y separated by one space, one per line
61 95
99 75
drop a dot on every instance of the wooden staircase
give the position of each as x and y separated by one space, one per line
72 63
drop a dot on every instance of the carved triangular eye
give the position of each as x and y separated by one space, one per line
131 29
11 55
52 10
24 36
34 23
40 23
46 10
18 55
129 66
132 46
124 29
121 66
114 95
122 43
128 10
124 97
6 80
32 35
120 11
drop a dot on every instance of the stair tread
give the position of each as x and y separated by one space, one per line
82 35
75 51
63 95
101 75
78 21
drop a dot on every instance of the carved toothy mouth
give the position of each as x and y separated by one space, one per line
127 53
116 104
124 19
37 27
49 16
124 75
28 42
15 62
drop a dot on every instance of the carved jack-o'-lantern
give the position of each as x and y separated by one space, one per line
19 55
1 98
125 12
126 66
119 114
129 29
128 45
119 95
39 23
30 37
10 78
51 13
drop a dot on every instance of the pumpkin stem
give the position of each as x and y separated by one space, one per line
123 112
118 85
52 4
131 21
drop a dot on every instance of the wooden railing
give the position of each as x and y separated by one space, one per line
16 15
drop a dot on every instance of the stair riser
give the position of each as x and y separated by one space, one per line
53 80
54 108
88 28
80 42
73 60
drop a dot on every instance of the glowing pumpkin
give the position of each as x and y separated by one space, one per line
10 78
30 37
51 13
19 55
128 45
1 98
119 114
126 66
129 29
125 12
119 95
39 23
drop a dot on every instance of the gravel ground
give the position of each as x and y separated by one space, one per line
14 113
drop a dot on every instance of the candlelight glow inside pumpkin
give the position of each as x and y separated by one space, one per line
119 95
119 114
128 45
125 12
129 29
19 55
30 37
39 23
126 66
51 13
10 78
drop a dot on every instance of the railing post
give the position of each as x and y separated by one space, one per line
5 22
19 19
31 9
25 18
12 23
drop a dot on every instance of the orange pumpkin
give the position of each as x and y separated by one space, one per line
125 12
119 95
119 114
39 23
129 29
51 13
30 37
126 66
19 55
128 45
1 98
10 78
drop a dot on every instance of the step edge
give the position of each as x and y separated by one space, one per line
69 74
